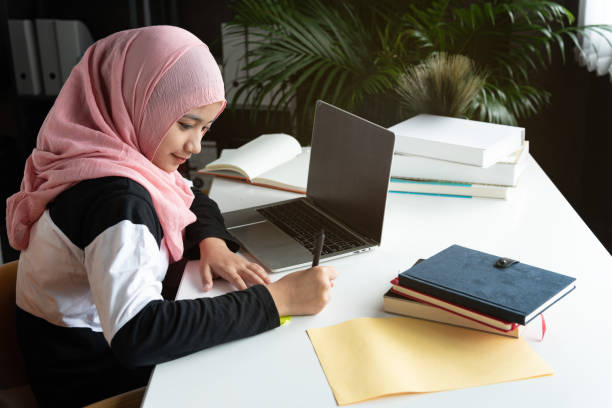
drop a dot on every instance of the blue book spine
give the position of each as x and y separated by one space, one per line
431 194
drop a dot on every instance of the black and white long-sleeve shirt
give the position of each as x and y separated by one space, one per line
94 267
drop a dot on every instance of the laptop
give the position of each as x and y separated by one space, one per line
346 193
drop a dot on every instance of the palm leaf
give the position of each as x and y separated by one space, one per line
351 53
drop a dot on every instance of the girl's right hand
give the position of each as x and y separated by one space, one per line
304 292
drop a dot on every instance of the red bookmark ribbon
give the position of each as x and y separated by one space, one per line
543 326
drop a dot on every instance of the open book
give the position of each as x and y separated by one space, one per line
274 160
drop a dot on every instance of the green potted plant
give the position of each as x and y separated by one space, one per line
354 54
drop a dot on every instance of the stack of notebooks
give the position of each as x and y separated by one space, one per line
457 157
472 289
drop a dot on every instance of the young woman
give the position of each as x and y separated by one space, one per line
102 211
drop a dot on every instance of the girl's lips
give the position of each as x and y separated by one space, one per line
179 159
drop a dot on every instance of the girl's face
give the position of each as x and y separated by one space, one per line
184 137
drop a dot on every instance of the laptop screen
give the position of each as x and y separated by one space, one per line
350 162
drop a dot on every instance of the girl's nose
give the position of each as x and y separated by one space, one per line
194 145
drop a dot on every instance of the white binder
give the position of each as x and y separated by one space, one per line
49 62
73 39
234 51
236 46
25 57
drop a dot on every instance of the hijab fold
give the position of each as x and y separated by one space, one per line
109 119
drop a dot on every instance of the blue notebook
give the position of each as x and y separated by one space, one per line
514 292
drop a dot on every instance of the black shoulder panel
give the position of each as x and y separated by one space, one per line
88 208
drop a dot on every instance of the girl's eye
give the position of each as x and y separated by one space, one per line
205 129
185 125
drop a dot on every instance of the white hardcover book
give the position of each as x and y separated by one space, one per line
444 188
73 39
505 172
47 50
25 57
459 140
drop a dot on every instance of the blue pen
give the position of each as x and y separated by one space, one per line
318 248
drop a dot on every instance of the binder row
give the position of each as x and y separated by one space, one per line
44 53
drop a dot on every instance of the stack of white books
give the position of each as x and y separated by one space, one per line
438 155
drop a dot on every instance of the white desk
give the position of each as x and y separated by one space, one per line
279 368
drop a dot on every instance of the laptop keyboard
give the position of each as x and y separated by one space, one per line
304 224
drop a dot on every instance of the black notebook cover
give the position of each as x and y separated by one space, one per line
470 279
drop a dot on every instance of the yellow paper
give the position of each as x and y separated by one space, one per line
368 358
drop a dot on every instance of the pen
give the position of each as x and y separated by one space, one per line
318 248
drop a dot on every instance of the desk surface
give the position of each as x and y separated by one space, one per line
537 226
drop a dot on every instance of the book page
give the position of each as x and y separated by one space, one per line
518 154
292 175
259 155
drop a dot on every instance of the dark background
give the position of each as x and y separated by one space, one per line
570 139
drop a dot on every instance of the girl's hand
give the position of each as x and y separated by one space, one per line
303 292
217 259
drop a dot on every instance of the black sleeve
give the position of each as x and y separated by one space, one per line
165 330
209 224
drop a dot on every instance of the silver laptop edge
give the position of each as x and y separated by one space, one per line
368 245
342 186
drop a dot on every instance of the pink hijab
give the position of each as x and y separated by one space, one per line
109 119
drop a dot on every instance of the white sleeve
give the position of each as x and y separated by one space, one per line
125 268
